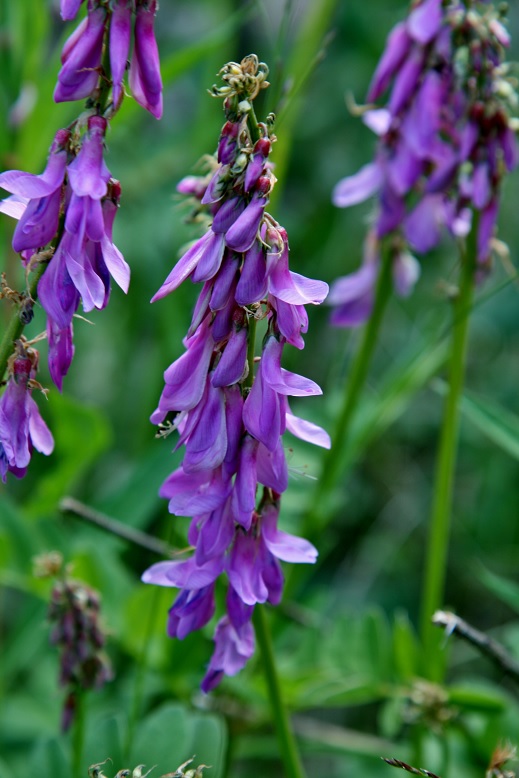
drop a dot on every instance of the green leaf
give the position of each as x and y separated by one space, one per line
478 698
406 650
505 590
104 739
172 734
81 434
498 424
48 760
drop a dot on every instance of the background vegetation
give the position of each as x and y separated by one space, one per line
345 635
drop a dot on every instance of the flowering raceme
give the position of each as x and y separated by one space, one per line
230 421
445 143
73 203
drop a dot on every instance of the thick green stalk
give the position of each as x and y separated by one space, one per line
439 525
78 735
317 516
287 743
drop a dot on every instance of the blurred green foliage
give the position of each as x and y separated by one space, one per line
345 637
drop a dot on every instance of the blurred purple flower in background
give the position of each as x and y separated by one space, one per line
445 143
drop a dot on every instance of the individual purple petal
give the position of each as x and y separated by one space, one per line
378 120
185 378
357 188
422 123
31 186
216 188
508 143
487 223
115 262
392 211
14 206
406 272
210 260
227 144
306 430
425 21
185 574
287 547
224 281
88 174
262 412
145 78
86 280
397 47
215 533
61 351
244 493
234 647
292 287
227 214
207 444
256 164
353 295
403 169
222 325
422 225
233 416
120 33
208 243
69 9
242 234
280 380
253 282
231 367
192 609
271 467
245 568
481 186
194 493
38 223
406 80
56 291
40 434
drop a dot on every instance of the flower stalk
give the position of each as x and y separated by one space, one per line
439 523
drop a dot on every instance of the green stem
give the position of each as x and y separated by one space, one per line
78 735
439 524
287 743
15 325
317 516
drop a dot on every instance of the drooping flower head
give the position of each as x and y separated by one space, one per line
445 141
231 417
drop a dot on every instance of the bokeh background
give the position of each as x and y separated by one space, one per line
345 635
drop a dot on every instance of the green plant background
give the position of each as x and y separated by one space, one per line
345 636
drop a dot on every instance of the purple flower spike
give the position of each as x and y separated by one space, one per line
120 33
145 78
79 74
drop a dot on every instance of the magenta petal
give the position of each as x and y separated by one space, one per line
120 33
188 262
397 46
357 188
194 493
234 646
224 282
306 430
231 367
422 225
280 380
253 284
41 437
38 223
28 185
242 234
14 207
183 574
210 260
425 21
116 264
287 547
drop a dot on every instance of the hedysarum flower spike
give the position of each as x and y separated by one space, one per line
446 141
229 420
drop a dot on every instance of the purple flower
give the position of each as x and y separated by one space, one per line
120 34
38 221
145 79
21 425
81 58
69 9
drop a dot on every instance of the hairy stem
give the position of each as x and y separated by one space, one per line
439 524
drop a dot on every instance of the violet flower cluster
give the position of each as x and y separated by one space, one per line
66 214
445 142
230 421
